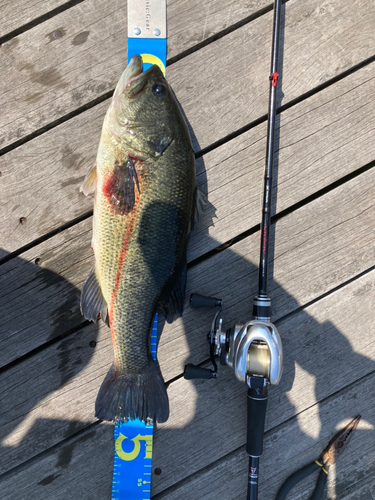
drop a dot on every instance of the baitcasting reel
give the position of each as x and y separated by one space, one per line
255 353
253 350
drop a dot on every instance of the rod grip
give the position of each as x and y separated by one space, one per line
197 301
256 416
193 372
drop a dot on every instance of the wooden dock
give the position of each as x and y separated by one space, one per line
60 62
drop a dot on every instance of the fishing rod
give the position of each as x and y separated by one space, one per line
253 350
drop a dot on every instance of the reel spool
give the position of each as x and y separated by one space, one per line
258 360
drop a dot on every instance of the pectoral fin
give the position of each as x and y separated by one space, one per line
89 183
119 189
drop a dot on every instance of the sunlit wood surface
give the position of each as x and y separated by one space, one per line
59 65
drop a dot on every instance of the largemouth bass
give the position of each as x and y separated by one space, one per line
145 198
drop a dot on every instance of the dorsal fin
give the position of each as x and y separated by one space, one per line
200 202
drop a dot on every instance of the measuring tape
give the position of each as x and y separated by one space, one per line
147 32
132 467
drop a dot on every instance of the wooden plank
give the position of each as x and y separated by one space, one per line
57 388
191 23
316 144
310 259
87 62
186 27
180 445
53 376
87 484
289 446
41 301
21 12
319 140
244 78
94 36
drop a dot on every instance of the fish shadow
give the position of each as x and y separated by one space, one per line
35 364
212 409
210 420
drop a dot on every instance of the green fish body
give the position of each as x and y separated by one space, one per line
145 188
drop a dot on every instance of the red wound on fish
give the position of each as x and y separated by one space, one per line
119 188
127 238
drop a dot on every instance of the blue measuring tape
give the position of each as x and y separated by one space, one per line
142 47
132 467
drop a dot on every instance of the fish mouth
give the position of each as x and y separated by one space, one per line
136 78
134 68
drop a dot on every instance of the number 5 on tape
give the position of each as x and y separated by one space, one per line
128 456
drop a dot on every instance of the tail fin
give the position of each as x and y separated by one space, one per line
124 396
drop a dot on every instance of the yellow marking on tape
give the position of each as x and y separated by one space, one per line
151 59
132 455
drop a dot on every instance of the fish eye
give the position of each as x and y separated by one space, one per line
158 89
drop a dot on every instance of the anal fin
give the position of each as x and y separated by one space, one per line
92 300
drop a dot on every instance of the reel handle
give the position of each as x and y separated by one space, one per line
193 372
256 416
197 301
